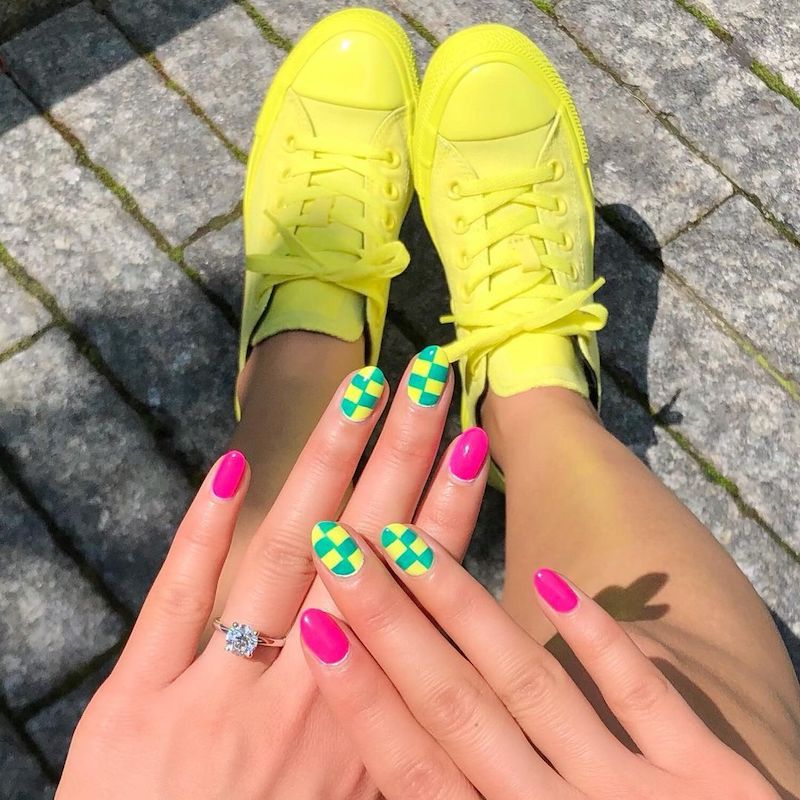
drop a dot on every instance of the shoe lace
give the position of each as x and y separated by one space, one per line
313 206
486 321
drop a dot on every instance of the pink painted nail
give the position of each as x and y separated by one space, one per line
324 638
229 475
469 453
555 591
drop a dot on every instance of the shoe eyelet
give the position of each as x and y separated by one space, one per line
573 272
454 191
290 143
558 169
568 242
463 260
460 225
561 207
390 191
393 157
389 220
286 174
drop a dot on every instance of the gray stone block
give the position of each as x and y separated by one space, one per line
91 463
293 19
21 314
52 727
219 259
213 50
51 620
82 69
22 776
172 349
769 29
739 264
655 185
684 71
726 405
773 573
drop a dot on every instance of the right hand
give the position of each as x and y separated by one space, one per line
171 724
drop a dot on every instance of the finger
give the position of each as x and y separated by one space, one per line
164 640
392 482
529 681
650 708
450 508
442 690
401 757
276 570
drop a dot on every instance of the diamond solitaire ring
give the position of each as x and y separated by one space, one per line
242 639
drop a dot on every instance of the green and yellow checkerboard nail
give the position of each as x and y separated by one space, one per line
428 376
406 549
362 394
336 548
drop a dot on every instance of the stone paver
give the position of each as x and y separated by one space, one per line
83 70
22 777
51 620
653 183
728 407
219 257
743 267
684 71
52 727
91 463
769 29
213 50
293 19
21 314
769 568
149 321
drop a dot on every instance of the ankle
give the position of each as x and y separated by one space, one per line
511 422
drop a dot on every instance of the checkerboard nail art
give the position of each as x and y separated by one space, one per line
336 548
406 549
363 393
428 376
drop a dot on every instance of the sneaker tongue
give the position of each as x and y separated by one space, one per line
527 360
330 120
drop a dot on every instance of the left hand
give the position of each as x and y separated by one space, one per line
504 720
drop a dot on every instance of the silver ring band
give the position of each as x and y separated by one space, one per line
242 639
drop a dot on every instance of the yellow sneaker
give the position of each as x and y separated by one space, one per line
501 169
329 182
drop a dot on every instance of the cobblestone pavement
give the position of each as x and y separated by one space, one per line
124 128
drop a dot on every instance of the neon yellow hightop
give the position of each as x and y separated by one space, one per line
501 169
329 182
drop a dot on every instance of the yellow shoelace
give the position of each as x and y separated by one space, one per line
338 262
486 322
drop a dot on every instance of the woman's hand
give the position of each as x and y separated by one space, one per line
169 723
503 720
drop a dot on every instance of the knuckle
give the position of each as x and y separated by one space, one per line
642 694
410 442
602 640
379 616
458 609
422 779
532 684
283 552
182 599
454 709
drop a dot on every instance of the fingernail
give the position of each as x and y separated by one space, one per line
407 549
336 549
428 376
555 591
362 393
469 453
229 475
323 636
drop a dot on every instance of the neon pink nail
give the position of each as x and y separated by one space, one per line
555 591
229 475
469 453
323 637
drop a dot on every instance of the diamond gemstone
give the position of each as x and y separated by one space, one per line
241 640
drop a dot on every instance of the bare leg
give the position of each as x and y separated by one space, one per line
284 388
580 502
